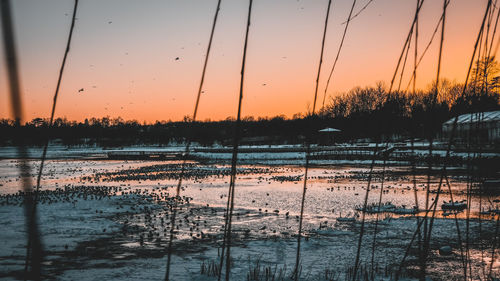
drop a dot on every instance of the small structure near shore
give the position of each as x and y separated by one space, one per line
327 136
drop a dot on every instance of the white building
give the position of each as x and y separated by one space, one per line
482 126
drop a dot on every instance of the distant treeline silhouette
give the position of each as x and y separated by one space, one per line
375 112
366 113
361 113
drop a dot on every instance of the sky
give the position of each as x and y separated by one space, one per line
123 54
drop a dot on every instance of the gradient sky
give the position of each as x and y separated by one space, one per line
128 68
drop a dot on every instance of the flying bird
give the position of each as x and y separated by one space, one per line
177 58
81 90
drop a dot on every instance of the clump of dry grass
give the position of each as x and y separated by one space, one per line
209 268
259 272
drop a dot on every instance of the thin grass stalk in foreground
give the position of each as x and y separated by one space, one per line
52 113
377 217
308 147
34 252
363 215
34 243
427 234
234 159
410 33
338 51
188 144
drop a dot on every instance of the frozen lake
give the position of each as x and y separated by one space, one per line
106 219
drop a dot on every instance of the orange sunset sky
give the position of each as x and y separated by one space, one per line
124 54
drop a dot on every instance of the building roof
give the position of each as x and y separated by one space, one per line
473 117
329 130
